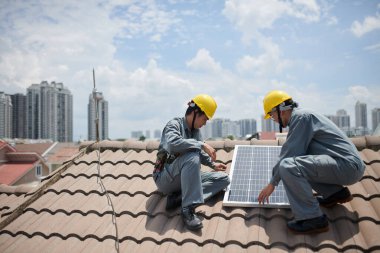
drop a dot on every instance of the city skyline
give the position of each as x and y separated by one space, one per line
215 128
152 57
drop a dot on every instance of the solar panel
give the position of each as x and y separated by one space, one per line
251 171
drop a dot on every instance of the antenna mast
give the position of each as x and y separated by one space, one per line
94 95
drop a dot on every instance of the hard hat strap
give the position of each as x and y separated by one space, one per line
192 124
279 118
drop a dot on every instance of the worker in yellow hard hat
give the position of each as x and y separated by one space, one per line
317 156
180 155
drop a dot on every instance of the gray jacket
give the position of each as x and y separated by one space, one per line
177 138
311 133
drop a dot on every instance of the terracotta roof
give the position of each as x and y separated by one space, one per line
4 144
62 152
10 173
39 148
70 211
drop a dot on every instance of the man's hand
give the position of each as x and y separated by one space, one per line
265 193
220 167
210 151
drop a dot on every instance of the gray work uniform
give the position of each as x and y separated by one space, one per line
184 174
316 155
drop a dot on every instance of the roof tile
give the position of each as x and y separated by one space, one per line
73 214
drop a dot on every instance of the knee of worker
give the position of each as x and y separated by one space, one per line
191 159
222 178
288 169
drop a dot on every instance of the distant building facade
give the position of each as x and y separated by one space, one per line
223 128
268 125
49 112
136 134
19 116
102 107
341 119
5 116
248 127
375 118
361 115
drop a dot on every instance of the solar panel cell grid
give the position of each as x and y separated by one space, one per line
250 172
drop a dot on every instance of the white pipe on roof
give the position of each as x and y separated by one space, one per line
49 149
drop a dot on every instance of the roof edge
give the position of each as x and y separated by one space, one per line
38 192
369 142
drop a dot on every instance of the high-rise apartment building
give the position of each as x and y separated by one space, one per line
5 116
341 119
361 115
49 112
136 134
97 105
268 125
19 116
248 127
230 128
375 118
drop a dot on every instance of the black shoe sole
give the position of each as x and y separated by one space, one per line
312 231
339 201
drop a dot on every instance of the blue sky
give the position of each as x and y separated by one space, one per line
151 57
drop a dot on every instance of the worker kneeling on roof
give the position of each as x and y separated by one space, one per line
180 155
317 156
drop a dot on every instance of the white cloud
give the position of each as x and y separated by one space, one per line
55 41
266 64
63 40
332 20
359 93
369 24
204 61
373 48
146 18
251 16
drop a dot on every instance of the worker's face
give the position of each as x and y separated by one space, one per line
200 121
284 116
274 115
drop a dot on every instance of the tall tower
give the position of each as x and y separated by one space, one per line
49 112
375 118
19 115
5 116
343 119
103 116
247 127
268 125
361 115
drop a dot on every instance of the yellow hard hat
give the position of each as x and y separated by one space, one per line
206 103
273 99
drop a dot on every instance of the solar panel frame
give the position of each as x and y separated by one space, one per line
251 171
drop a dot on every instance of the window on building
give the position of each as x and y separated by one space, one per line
38 170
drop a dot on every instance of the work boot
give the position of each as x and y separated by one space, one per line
309 226
173 201
341 196
190 219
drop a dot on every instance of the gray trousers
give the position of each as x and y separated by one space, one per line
319 172
184 175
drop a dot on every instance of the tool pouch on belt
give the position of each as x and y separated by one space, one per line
160 162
